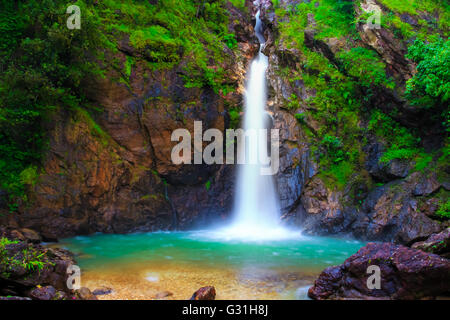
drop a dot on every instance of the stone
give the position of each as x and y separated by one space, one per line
85 294
31 235
405 274
204 293
438 243
43 293
427 186
102 291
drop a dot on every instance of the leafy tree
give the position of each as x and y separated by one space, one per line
430 86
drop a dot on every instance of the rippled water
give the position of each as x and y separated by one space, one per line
184 260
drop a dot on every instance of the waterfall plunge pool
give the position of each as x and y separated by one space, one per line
143 265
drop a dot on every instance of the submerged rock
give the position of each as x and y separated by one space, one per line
102 291
405 273
85 294
204 293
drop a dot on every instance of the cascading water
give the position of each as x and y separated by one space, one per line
256 199
256 209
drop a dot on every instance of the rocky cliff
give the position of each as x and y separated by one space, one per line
330 93
366 196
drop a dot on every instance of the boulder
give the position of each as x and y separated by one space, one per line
30 235
85 294
405 274
35 271
102 291
204 293
43 293
438 243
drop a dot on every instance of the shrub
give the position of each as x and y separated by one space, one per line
430 86
333 148
444 210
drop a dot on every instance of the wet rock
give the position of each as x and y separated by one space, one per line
102 291
438 243
385 172
405 274
427 186
124 180
30 235
38 282
85 294
43 293
429 206
390 212
204 293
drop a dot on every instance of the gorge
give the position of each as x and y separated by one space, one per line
362 115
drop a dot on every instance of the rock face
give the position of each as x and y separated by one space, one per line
384 201
30 271
204 293
405 273
438 243
111 170
46 284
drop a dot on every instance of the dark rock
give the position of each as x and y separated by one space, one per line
405 274
102 291
427 186
204 293
43 293
38 283
429 206
438 243
385 172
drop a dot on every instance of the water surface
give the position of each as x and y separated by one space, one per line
139 266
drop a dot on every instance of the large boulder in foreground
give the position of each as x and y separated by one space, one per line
405 273
204 293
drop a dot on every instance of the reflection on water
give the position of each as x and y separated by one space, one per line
140 265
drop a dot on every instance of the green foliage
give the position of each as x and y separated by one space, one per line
29 258
300 117
230 40
430 86
208 185
235 118
365 65
43 66
402 144
333 148
444 209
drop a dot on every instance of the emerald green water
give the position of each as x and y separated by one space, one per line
102 250
183 257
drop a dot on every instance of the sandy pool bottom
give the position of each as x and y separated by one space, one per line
141 282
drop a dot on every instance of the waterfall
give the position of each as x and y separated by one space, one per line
256 214
256 201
